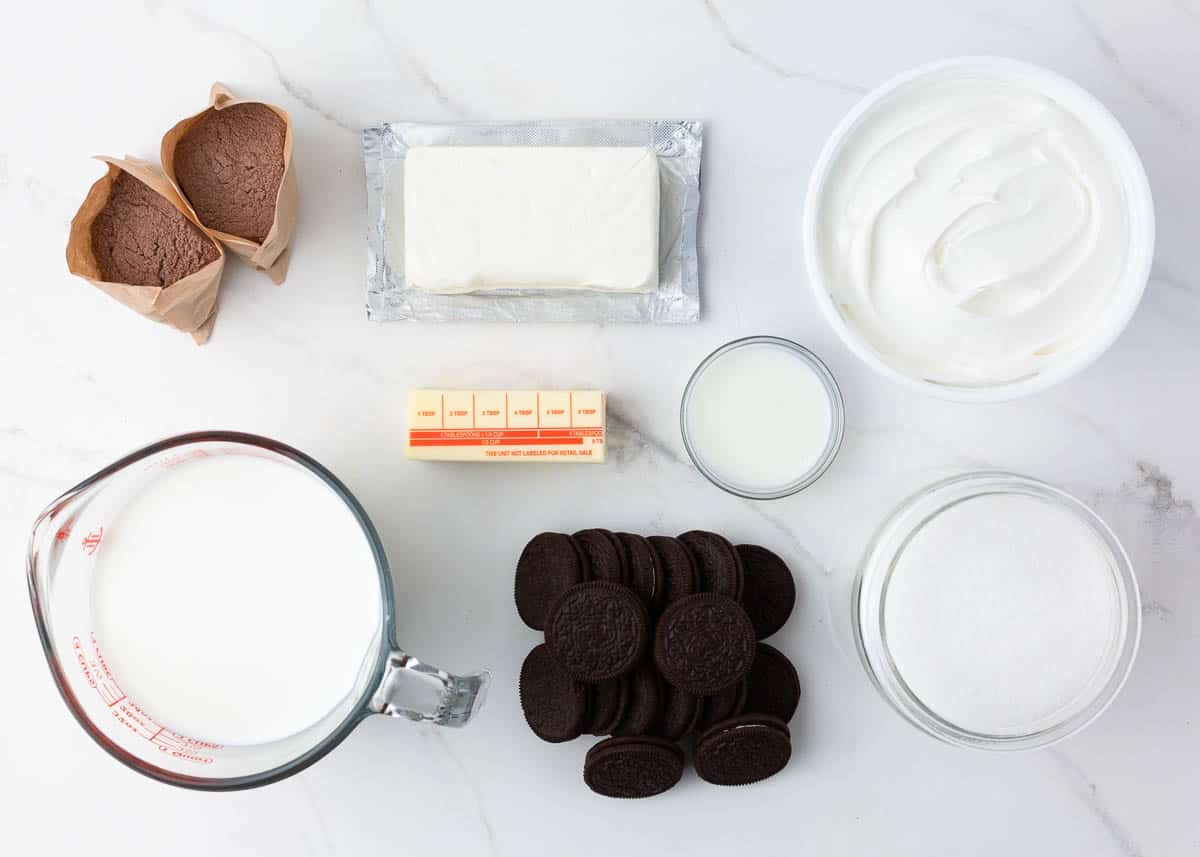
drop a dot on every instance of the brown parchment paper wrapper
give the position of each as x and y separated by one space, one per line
271 256
189 304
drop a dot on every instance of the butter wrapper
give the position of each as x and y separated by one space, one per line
506 426
676 300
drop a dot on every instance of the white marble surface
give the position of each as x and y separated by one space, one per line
84 380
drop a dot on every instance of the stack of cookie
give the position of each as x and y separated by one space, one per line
650 641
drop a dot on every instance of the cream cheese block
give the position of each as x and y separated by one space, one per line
482 218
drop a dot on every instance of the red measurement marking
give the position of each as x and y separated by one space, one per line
127 713
63 534
92 540
81 659
498 441
530 434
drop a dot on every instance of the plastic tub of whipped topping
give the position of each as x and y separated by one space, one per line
996 611
762 417
978 229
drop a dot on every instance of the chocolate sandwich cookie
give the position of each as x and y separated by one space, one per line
718 563
768 590
772 687
721 706
681 712
644 710
609 699
743 750
632 767
550 565
643 568
704 644
555 705
605 554
598 630
678 574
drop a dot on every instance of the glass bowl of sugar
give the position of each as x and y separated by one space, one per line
995 611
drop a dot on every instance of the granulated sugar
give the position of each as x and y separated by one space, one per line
1002 614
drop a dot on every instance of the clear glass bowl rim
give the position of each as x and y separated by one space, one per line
873 573
1116 142
836 404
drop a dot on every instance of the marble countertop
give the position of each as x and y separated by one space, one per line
84 380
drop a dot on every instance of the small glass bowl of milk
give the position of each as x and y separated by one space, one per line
998 612
762 417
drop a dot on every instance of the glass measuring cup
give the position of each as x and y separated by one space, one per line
62 549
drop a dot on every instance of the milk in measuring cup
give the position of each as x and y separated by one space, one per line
236 599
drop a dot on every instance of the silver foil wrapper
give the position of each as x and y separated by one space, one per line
675 301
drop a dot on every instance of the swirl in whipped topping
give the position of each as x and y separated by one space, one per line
973 231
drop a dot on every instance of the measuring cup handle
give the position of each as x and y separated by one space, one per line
419 692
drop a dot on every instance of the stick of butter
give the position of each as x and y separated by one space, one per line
506 425
481 218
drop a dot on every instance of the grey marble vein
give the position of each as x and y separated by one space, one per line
809 561
1157 610
15 471
15 474
1109 51
291 86
1187 9
628 435
1101 430
1161 274
1089 794
762 61
627 442
1154 491
412 64
311 799
476 793
1166 509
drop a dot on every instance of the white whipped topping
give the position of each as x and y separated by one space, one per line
973 231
